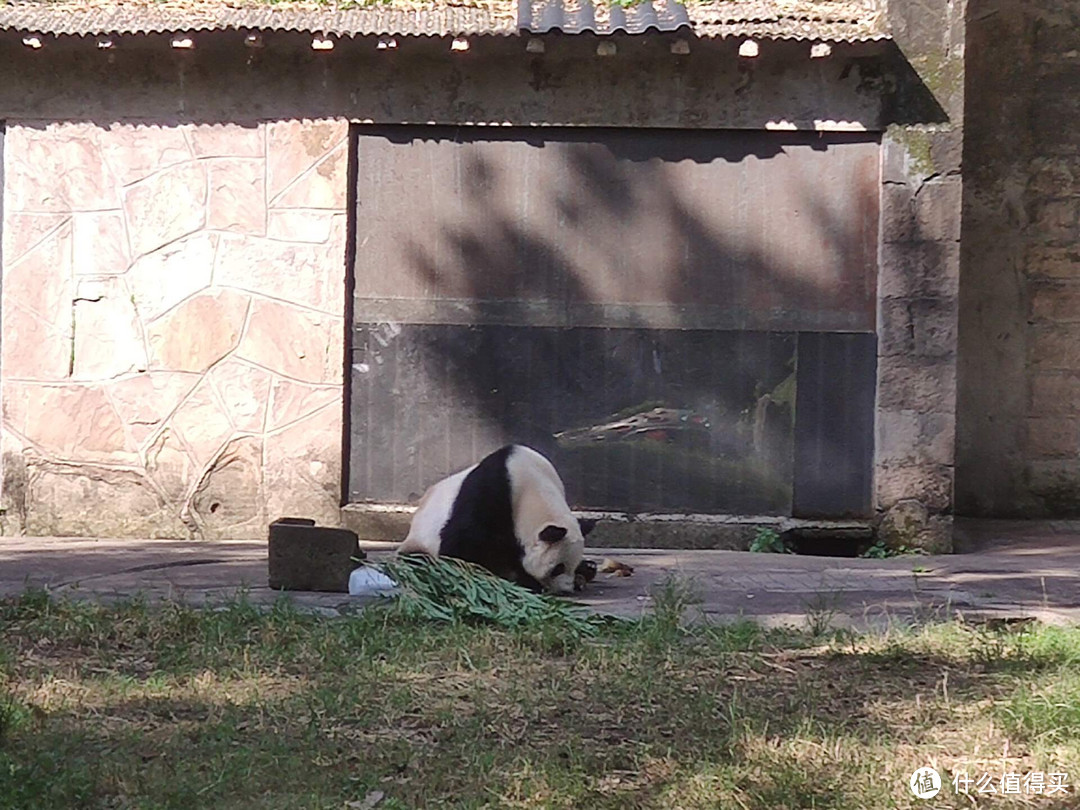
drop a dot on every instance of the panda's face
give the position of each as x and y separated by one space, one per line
553 555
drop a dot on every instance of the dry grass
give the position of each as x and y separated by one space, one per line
131 706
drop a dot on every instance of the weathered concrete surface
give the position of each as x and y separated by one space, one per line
172 357
1018 432
1012 570
495 82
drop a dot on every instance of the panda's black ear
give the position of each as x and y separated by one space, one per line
587 525
552 534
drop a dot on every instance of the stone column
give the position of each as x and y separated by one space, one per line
918 282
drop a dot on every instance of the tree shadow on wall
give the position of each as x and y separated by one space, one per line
627 303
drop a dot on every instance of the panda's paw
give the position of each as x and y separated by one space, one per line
586 570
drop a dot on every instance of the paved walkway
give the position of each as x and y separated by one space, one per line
1009 569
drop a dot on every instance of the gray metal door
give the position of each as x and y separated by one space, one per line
634 303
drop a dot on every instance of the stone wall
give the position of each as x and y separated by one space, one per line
172 326
918 286
1019 399
173 293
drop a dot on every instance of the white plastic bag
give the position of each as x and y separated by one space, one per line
366 581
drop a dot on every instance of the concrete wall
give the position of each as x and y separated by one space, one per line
1018 447
173 324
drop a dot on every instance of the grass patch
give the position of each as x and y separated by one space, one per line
769 541
169 707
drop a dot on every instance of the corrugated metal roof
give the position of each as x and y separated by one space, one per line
63 19
835 20
580 16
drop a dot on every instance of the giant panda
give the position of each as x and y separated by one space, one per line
508 513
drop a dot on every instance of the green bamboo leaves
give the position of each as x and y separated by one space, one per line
451 590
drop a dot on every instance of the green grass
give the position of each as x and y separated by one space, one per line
137 706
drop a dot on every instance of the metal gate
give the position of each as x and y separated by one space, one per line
683 320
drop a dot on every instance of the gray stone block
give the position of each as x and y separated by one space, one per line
934 327
1055 484
924 384
306 557
920 270
937 210
930 484
898 214
909 524
923 326
909 437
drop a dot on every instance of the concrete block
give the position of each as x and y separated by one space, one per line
1054 392
911 156
909 524
895 160
1052 437
1053 176
946 148
1056 346
920 270
898 214
930 484
1053 262
305 557
920 384
915 438
1057 302
895 334
674 534
1055 484
937 210
924 327
934 327
1054 218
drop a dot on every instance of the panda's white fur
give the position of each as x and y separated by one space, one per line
507 513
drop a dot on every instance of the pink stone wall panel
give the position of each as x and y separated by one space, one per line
170 276
37 304
166 206
237 195
199 332
108 336
100 240
173 322
229 140
244 390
